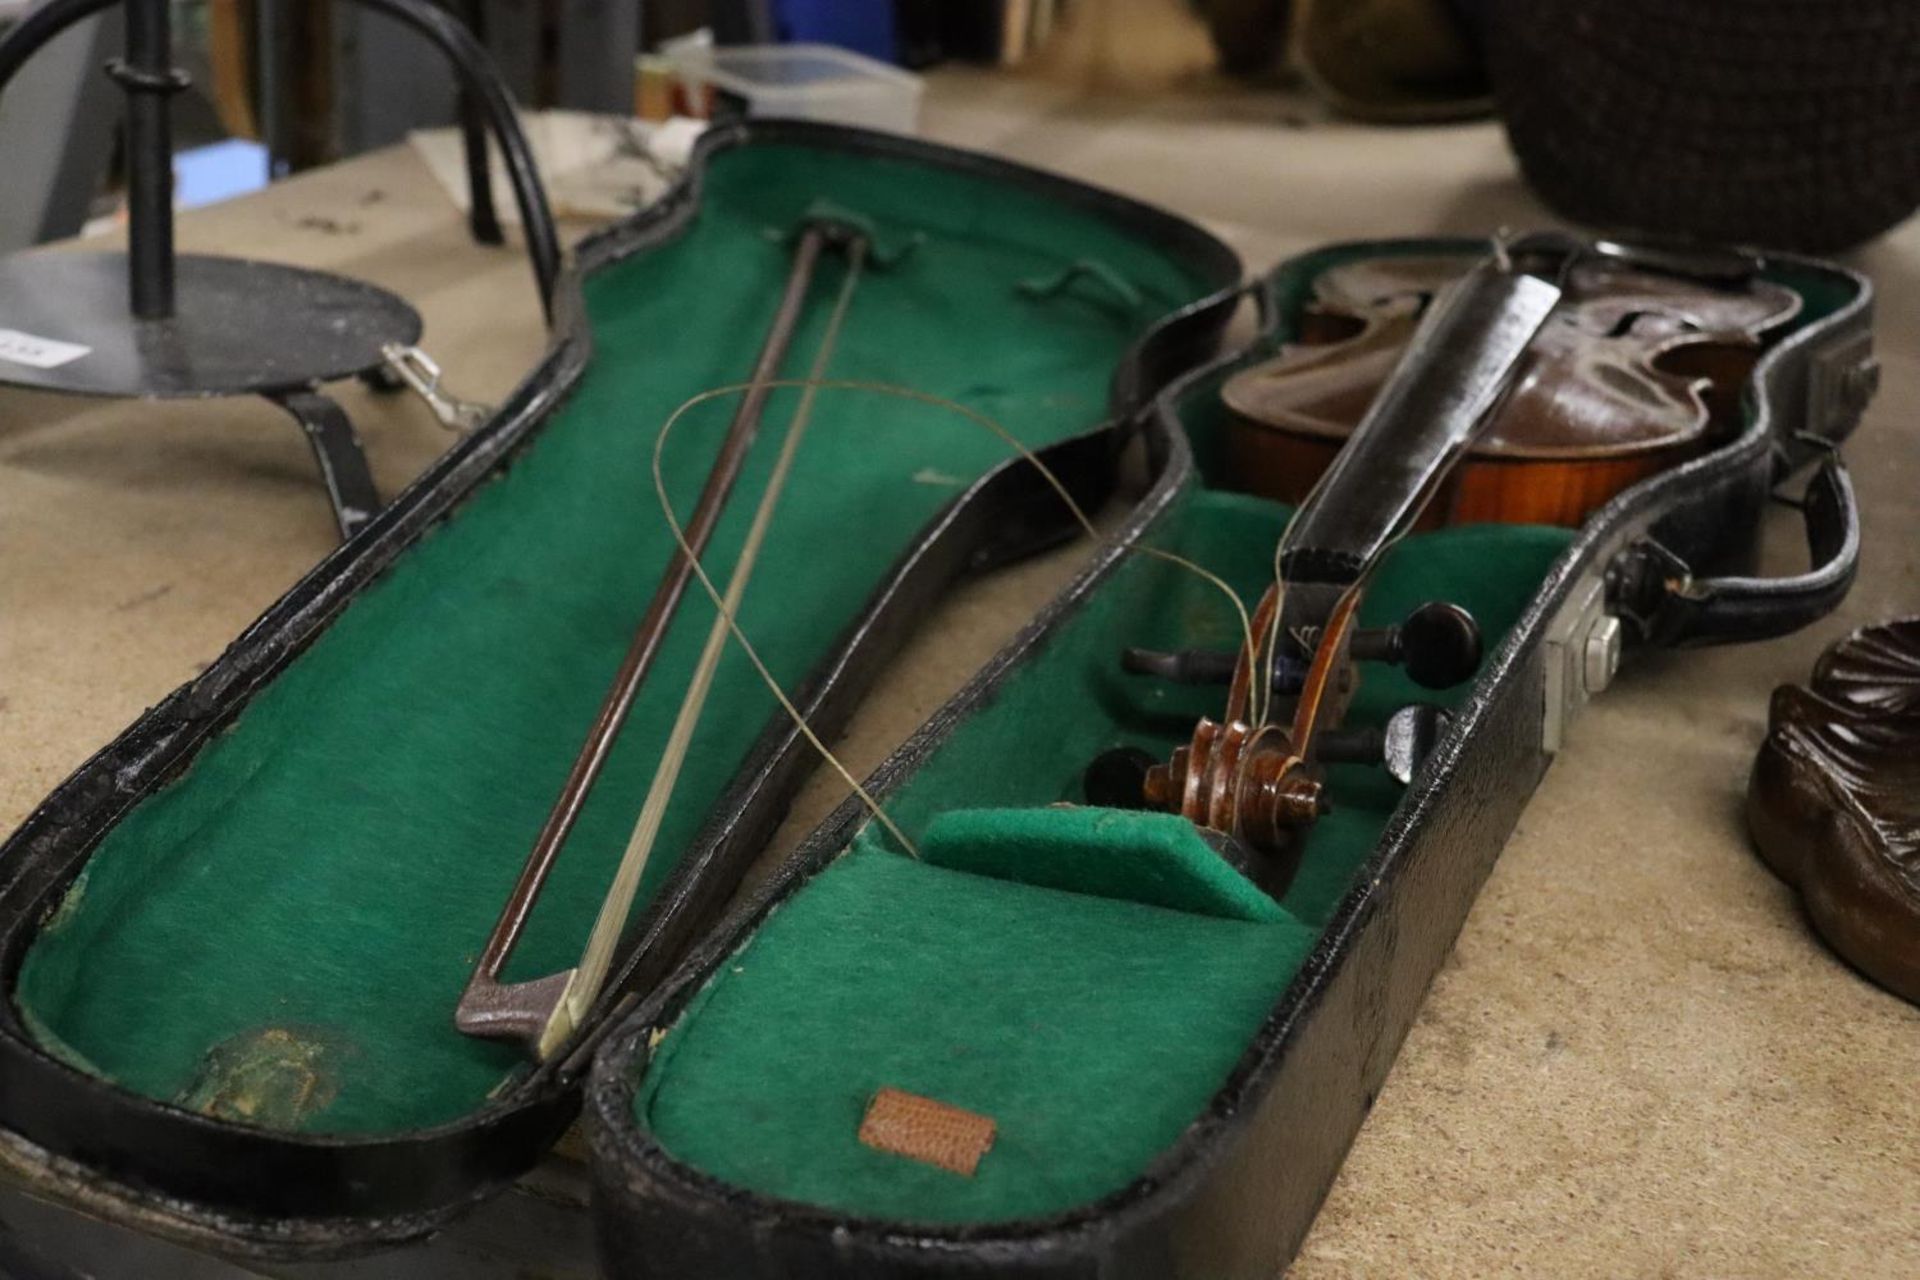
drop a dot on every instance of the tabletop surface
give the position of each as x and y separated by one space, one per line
1638 1061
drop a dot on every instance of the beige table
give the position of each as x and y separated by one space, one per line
1637 1061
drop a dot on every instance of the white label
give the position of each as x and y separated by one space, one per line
41 353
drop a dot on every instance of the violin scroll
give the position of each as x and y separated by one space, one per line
1263 787
1247 782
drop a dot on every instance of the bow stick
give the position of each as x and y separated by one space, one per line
543 1012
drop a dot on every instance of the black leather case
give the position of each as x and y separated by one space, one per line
240 1189
1234 1195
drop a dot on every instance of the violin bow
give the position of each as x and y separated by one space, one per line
542 1013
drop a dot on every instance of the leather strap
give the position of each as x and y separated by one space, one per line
1678 611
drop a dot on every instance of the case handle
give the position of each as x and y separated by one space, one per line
1654 588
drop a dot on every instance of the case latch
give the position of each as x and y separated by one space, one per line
1581 655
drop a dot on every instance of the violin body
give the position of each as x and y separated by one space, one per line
235 938
1168 1058
1635 373
1483 490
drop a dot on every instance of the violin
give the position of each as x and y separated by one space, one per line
1530 386
1635 371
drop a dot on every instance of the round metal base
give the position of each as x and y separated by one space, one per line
239 328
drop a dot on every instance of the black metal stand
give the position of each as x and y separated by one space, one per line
150 323
343 467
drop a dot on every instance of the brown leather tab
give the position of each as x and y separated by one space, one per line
906 1124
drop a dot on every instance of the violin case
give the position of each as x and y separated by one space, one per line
232 942
1145 1070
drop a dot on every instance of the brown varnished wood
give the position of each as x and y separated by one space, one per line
1482 490
1634 373
1622 372
1834 800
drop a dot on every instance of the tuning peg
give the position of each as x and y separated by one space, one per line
1438 644
1399 745
1117 778
1207 666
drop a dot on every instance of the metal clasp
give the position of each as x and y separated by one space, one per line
422 373
1581 655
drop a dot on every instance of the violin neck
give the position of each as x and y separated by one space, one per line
1461 360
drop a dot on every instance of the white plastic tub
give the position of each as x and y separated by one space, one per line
808 82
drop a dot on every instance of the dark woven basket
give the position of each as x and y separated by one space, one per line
1788 123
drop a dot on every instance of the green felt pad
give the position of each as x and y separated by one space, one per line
280 936
1093 1045
1056 713
1091 1030
1157 859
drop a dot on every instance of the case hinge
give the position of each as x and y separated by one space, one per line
1841 378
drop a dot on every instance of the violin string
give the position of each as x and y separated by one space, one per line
597 959
727 614
1263 666
1263 659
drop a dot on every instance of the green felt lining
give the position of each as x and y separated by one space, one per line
279 936
1157 859
1091 1029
